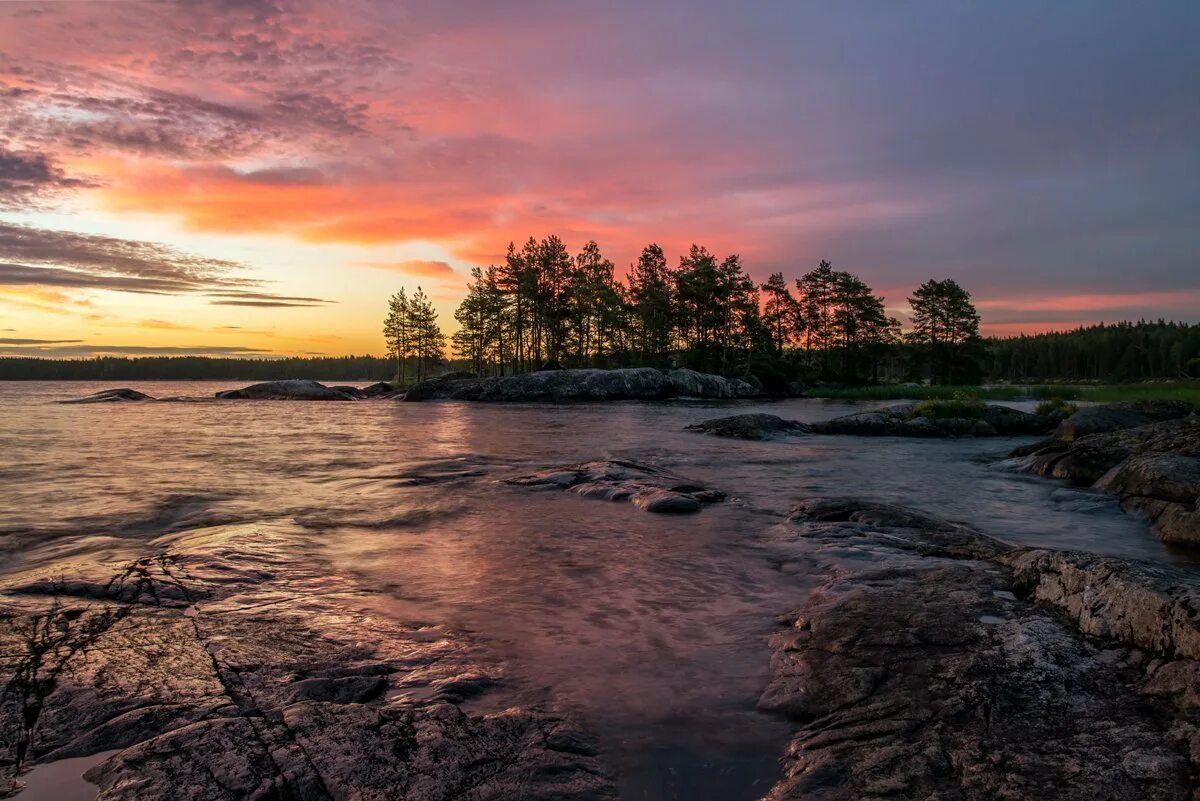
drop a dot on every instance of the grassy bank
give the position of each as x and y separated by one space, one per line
1103 393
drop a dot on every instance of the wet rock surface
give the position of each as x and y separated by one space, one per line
1153 469
649 488
292 389
112 396
640 383
1117 416
899 421
750 426
232 663
937 663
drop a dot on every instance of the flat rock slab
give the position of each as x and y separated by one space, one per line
1154 469
646 487
926 667
750 426
112 396
899 421
232 662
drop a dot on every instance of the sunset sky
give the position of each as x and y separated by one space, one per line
257 177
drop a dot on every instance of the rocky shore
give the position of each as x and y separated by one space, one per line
931 662
639 383
939 663
231 663
1153 468
906 420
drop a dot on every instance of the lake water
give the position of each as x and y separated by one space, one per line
651 628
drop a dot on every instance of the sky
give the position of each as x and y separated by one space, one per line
256 178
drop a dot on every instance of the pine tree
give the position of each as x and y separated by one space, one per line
651 300
946 325
397 332
428 341
781 313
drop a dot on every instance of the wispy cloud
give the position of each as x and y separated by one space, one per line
32 256
48 349
17 341
39 257
418 267
263 299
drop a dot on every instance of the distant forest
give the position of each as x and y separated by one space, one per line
182 368
1122 352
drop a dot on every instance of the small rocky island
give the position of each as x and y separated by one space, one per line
558 386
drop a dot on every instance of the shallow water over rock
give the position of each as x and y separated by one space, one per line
652 629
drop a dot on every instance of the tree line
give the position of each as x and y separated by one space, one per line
546 308
1112 353
184 368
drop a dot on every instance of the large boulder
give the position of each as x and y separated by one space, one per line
749 426
691 384
1117 416
290 389
112 396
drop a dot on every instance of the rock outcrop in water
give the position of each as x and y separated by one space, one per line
648 488
112 396
638 383
750 426
937 663
1153 469
1117 416
233 663
899 421
291 389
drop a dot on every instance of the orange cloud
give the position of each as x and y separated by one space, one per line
421 267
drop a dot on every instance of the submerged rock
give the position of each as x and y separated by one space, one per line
233 663
1117 416
648 488
899 421
638 383
749 426
291 389
1153 469
112 396
928 667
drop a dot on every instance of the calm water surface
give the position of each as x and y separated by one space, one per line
651 628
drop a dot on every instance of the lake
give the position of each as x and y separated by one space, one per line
652 629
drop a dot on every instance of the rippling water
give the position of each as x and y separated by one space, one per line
651 628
